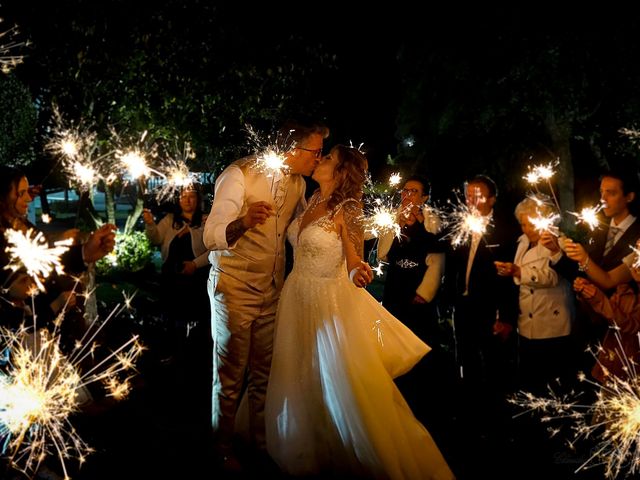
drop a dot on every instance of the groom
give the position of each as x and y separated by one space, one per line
246 230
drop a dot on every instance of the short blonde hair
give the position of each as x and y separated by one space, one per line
532 207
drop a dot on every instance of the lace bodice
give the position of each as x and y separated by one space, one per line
318 250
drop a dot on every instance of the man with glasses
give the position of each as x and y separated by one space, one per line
246 230
413 277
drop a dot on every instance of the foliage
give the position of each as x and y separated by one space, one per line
17 122
526 90
169 70
132 253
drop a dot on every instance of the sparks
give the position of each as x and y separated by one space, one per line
31 251
614 417
395 179
40 386
589 216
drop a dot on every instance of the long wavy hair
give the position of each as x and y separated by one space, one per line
9 179
351 173
196 219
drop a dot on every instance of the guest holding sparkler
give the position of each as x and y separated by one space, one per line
184 257
14 203
416 262
546 306
620 350
618 193
600 260
484 309
332 408
251 211
415 269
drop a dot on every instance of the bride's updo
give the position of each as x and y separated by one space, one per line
350 173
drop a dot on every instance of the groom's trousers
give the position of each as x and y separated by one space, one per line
242 326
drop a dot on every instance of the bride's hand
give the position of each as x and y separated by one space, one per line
362 275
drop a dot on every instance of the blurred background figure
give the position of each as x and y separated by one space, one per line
183 272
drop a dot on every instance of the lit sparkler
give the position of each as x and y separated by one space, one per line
176 174
270 157
465 221
76 147
589 216
39 389
8 47
395 179
614 418
543 173
31 251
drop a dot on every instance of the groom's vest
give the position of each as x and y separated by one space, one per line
258 258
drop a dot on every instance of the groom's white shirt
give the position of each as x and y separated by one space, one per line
257 258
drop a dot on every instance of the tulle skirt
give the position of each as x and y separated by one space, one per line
332 406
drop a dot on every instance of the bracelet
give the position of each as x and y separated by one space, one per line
583 267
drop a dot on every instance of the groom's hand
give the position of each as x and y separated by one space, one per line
257 214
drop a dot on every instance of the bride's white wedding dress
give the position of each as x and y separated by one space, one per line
332 406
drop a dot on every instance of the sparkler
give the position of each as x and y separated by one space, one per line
546 220
589 216
269 155
39 390
543 173
31 251
395 179
614 418
465 221
176 173
8 47
76 147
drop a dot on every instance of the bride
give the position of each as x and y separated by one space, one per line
332 407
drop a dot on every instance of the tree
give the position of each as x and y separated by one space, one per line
526 90
17 122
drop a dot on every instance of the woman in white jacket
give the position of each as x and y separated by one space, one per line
546 306
184 262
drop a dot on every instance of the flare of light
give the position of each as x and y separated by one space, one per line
39 391
176 173
589 215
45 218
378 268
85 175
613 419
377 327
31 251
271 162
76 145
134 163
465 221
395 179
9 45
540 172
270 155
382 219
546 223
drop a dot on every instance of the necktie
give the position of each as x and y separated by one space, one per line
611 237
280 191
475 241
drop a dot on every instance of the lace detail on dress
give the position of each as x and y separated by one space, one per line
318 250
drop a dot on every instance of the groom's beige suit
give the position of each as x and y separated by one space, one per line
244 285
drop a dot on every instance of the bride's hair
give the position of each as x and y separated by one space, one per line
351 172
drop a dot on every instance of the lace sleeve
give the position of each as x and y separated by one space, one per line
353 220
